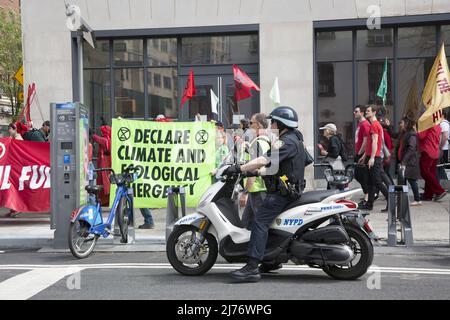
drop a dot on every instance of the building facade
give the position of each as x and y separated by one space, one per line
327 54
10 4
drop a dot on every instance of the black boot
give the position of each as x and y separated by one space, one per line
249 273
267 268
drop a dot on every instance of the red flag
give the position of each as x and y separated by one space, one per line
31 93
243 84
189 90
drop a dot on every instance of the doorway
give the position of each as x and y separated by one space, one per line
222 84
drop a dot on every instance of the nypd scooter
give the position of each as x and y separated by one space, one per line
322 229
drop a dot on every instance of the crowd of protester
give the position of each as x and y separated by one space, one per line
379 151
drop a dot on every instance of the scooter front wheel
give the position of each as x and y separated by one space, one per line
187 255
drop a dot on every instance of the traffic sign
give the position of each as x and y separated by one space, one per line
19 75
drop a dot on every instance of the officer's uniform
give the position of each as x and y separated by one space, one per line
287 157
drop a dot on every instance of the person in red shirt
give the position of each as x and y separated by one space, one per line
361 134
429 157
104 161
373 158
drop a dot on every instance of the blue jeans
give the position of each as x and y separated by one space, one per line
147 214
271 208
254 202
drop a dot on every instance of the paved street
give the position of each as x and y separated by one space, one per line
33 275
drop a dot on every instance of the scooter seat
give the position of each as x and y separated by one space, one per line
312 197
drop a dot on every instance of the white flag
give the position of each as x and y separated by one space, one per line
214 102
275 93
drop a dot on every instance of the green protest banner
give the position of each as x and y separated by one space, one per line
167 154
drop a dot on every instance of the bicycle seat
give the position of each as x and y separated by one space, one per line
94 189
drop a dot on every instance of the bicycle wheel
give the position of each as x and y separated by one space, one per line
123 219
81 242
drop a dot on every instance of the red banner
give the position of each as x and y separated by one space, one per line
24 175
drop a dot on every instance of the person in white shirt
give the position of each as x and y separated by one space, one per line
443 144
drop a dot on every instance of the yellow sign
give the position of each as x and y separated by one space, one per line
436 94
21 96
19 75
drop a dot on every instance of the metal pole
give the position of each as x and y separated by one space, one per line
80 66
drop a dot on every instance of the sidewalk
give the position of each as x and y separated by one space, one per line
430 224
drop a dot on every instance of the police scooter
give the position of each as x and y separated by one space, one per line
322 229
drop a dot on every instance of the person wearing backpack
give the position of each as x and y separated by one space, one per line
335 152
40 135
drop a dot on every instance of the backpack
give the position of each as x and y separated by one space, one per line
29 135
343 152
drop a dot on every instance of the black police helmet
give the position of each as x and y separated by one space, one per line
285 115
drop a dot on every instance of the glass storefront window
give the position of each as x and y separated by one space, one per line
220 50
337 108
120 66
128 52
411 79
201 102
163 93
334 46
375 44
98 57
162 52
417 41
129 93
97 96
369 78
445 37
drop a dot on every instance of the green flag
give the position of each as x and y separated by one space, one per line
382 89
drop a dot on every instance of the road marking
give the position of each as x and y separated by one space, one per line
28 284
217 267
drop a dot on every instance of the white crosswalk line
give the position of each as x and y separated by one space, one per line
28 284
219 266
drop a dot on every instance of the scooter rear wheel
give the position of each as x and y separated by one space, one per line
183 259
363 249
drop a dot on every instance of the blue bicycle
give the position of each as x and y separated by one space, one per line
86 222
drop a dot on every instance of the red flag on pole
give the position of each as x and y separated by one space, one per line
31 93
243 84
189 90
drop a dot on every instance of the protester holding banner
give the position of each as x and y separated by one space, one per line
13 134
104 161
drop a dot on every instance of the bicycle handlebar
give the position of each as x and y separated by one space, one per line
443 165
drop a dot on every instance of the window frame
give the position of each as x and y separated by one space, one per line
436 20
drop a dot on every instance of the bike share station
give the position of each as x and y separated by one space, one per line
399 215
69 143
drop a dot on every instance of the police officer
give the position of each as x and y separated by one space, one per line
285 166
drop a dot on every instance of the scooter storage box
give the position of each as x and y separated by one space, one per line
328 234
